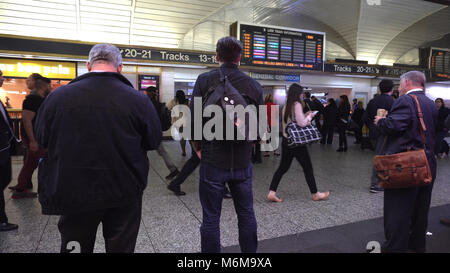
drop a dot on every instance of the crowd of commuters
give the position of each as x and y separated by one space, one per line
92 150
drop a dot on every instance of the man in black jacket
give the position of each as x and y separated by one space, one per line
406 209
97 131
383 101
226 161
6 142
446 221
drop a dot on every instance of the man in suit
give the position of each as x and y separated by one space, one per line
446 221
6 142
383 101
406 209
97 131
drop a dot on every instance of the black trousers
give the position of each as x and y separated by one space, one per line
342 128
188 168
120 229
5 178
406 219
287 155
327 133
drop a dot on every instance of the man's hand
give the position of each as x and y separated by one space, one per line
34 147
377 118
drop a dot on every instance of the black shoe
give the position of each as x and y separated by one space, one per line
340 150
227 195
175 189
8 227
345 149
376 189
172 175
29 185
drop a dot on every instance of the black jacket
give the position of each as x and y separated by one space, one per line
357 116
227 154
443 113
343 113
402 126
382 101
330 115
7 142
97 130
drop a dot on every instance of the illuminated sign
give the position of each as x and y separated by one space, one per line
440 63
23 68
271 46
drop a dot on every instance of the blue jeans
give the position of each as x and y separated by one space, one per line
211 188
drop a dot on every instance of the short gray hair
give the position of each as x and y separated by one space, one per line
416 77
105 53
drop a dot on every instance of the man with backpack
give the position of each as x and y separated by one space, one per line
226 161
166 122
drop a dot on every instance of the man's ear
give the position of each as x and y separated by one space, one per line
119 68
239 59
217 57
89 66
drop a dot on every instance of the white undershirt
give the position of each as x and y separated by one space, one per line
414 90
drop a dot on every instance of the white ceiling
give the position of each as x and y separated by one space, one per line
382 34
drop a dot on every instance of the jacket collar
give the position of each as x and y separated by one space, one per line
103 74
229 65
414 91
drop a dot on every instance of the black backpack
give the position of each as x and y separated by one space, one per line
165 117
225 94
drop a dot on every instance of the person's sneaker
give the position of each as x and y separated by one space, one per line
175 189
173 174
24 194
8 227
376 189
29 185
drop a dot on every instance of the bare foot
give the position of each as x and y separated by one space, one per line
320 196
273 197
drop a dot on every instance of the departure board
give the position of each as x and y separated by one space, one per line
271 46
440 63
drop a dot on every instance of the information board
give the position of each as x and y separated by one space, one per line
440 63
271 46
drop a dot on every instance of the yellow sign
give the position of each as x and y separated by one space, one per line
50 69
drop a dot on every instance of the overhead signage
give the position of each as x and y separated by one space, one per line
168 56
439 63
22 68
275 77
375 70
145 81
272 46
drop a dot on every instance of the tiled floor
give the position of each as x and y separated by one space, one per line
171 223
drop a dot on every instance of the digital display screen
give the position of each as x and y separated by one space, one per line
440 63
145 81
281 47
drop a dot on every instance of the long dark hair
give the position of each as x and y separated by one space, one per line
293 96
344 102
180 97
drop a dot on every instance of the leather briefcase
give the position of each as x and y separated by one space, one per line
406 169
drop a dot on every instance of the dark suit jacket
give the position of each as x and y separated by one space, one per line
402 126
6 141
97 130
382 101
